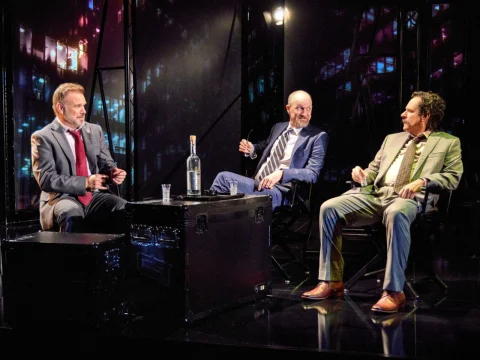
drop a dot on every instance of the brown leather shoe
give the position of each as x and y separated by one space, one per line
327 307
390 302
325 290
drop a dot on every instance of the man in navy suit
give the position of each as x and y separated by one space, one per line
73 201
301 157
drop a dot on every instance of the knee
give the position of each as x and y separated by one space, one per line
396 217
66 214
222 175
220 179
120 205
327 209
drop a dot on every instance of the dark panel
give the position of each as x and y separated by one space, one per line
188 69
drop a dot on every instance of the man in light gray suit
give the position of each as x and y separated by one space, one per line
437 162
303 148
72 165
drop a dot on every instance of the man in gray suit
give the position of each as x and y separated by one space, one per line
303 148
74 195
437 162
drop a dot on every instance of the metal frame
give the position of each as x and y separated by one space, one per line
130 80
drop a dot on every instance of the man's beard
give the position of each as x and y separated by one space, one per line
298 123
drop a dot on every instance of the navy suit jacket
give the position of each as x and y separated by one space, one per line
308 155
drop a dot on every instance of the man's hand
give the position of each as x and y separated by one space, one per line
268 182
245 147
409 190
118 175
96 181
358 175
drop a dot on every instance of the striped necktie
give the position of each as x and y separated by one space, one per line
276 155
403 176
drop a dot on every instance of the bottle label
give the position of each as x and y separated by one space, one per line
193 185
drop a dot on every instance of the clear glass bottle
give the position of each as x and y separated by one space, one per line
194 184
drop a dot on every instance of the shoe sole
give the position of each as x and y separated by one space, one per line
388 311
333 296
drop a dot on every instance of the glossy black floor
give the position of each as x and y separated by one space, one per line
440 325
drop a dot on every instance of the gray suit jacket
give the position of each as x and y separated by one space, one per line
308 154
440 162
53 164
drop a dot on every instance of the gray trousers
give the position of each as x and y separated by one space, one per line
104 214
359 209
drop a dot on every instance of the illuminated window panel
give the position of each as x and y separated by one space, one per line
261 85
437 74
62 53
72 59
50 50
25 38
411 19
346 56
82 56
251 94
389 64
149 77
38 86
457 59
368 18
380 66
438 8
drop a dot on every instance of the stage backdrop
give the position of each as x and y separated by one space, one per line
188 60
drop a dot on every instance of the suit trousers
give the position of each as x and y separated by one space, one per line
359 209
104 214
246 186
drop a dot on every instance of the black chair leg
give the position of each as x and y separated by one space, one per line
412 290
293 257
363 272
281 269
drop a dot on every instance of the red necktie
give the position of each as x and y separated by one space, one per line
81 164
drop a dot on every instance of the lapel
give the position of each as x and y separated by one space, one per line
429 146
276 133
88 142
302 137
59 134
393 149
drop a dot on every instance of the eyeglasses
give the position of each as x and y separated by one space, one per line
301 108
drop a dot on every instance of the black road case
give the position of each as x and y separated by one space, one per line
51 277
189 259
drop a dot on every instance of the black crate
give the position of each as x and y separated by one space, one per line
189 259
73 278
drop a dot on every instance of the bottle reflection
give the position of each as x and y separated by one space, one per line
392 331
329 322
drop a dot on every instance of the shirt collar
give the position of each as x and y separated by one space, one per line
66 128
426 134
297 130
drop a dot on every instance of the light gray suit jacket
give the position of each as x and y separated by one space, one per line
53 164
440 163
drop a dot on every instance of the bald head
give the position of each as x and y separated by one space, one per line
299 94
299 108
